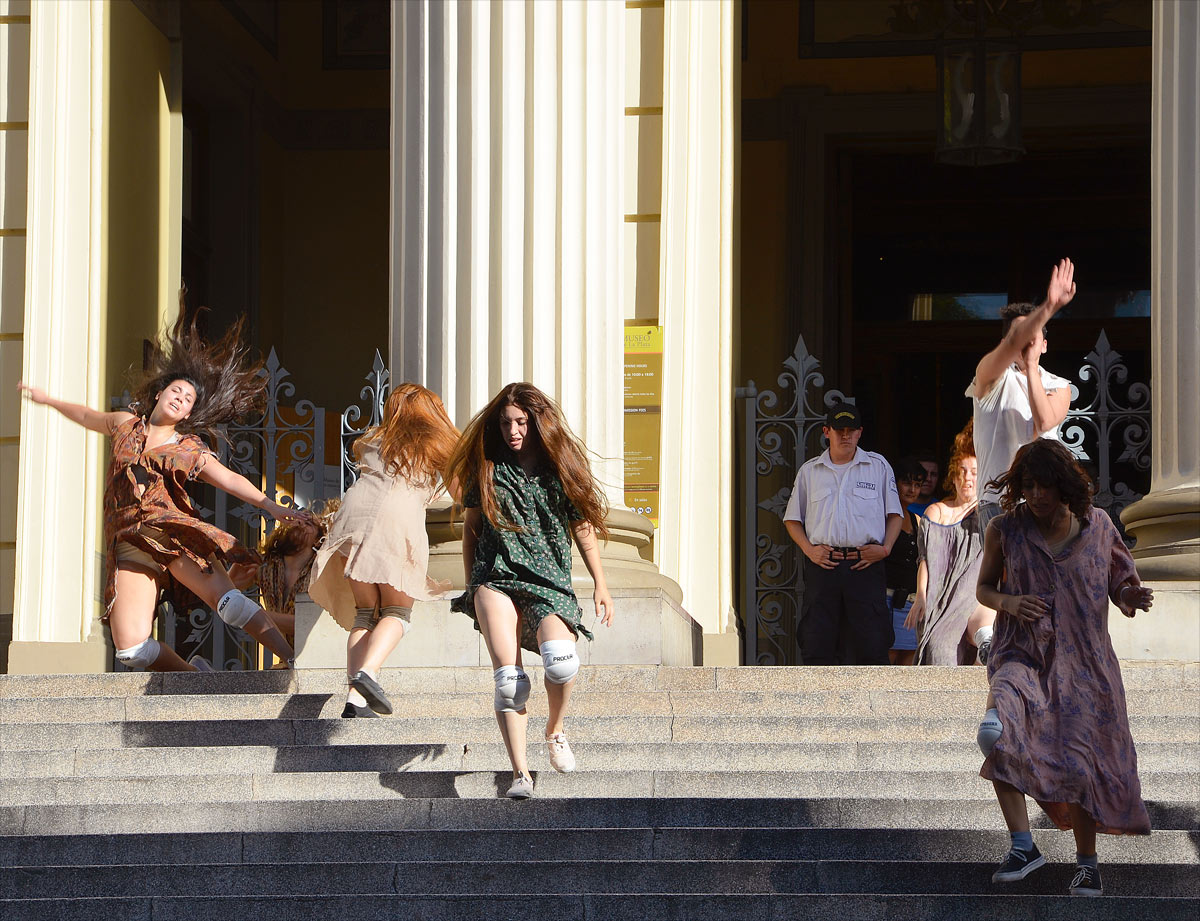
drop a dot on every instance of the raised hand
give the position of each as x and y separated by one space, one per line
1062 286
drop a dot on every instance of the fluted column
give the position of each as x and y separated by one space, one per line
508 144
1166 523
58 493
506 225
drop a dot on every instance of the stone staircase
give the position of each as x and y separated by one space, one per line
701 794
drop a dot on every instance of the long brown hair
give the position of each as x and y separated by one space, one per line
416 436
1048 463
964 448
229 385
482 445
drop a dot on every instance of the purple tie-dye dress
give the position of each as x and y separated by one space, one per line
1057 682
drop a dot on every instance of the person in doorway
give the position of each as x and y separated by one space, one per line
928 495
153 535
1056 727
1015 400
373 564
845 515
527 490
950 548
901 564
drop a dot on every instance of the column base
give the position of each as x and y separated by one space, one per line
1166 528
1169 631
650 629
37 658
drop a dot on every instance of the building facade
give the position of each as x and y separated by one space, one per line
492 191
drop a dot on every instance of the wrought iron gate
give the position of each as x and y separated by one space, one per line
782 428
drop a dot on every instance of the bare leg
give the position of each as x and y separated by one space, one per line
500 625
557 695
1084 827
132 618
210 586
388 632
1012 805
366 595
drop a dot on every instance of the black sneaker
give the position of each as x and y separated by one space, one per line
1086 882
354 712
1017 865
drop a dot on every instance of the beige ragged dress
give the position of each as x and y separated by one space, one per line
378 536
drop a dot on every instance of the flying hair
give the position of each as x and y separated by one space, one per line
1048 463
229 385
482 445
416 436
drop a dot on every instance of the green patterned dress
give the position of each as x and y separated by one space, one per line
532 566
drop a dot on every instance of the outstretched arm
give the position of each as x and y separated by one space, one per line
217 474
585 539
1023 329
104 423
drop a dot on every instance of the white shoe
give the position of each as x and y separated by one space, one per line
522 788
201 664
562 759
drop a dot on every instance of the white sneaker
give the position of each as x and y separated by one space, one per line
562 759
522 788
201 664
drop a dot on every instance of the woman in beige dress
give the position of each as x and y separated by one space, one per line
373 564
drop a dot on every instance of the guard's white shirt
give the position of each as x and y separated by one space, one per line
1004 422
846 505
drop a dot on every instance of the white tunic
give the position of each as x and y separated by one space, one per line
844 505
1004 422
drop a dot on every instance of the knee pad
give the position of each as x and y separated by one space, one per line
364 619
561 660
512 689
989 731
143 655
236 609
400 612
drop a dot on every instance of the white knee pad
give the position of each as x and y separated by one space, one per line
512 689
561 660
143 655
236 609
989 731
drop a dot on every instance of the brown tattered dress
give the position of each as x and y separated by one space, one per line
147 506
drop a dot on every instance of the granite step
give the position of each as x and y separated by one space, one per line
540 877
747 727
664 843
493 814
629 906
350 785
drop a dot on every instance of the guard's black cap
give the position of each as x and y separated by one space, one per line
843 416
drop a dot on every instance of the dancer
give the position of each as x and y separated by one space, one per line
1014 399
1056 727
153 536
373 565
528 490
950 549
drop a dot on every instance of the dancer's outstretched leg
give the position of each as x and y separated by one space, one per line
215 587
500 624
131 621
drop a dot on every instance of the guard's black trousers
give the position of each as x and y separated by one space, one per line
845 619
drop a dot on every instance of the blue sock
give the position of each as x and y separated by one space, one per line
1022 841
1084 860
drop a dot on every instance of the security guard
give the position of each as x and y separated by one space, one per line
845 514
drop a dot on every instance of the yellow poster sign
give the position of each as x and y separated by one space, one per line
643 414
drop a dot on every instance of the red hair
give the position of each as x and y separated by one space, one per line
416 436
964 448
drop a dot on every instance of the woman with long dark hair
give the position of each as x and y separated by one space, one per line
528 490
154 538
1056 728
372 566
